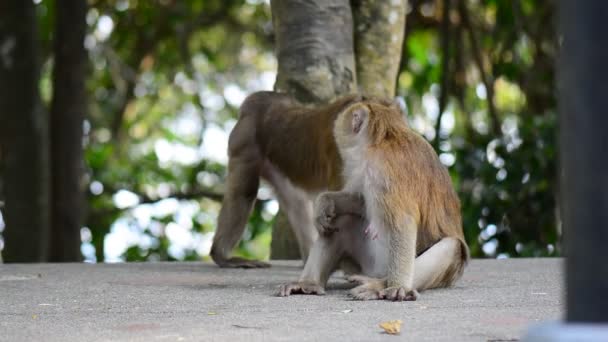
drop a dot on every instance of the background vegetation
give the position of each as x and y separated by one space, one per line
164 80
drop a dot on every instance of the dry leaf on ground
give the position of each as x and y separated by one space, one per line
391 327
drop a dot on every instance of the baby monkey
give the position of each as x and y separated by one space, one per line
397 218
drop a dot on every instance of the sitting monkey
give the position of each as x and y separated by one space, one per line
397 188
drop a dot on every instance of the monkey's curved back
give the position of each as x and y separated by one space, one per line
417 181
299 141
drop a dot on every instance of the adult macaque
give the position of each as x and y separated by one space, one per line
397 188
290 146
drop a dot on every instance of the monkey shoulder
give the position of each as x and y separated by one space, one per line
262 102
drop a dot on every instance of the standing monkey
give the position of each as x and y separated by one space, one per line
290 146
398 217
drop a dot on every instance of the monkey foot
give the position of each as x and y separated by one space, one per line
373 288
300 288
363 292
365 280
399 294
237 262
326 229
325 212
369 288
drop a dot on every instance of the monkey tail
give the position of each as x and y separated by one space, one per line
455 271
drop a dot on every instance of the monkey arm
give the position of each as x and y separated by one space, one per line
338 209
341 203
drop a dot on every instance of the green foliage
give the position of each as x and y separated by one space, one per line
162 73
506 179
166 78
507 191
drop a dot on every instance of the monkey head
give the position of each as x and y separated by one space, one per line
368 123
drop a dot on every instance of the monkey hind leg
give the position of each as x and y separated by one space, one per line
242 185
441 265
297 205
325 254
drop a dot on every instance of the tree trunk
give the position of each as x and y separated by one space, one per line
314 47
23 134
283 245
67 114
379 29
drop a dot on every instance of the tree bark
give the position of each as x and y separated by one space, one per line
283 245
67 114
379 29
23 136
314 47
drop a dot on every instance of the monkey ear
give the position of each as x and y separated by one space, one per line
358 118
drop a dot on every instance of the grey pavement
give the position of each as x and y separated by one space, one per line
496 300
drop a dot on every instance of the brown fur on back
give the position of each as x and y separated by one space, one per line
417 183
285 129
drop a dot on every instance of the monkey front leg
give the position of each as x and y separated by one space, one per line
333 211
402 256
399 283
321 262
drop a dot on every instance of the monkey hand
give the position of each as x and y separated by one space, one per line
373 288
300 287
368 288
325 215
399 294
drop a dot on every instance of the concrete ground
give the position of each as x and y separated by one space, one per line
495 301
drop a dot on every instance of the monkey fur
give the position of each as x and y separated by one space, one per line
395 186
290 146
